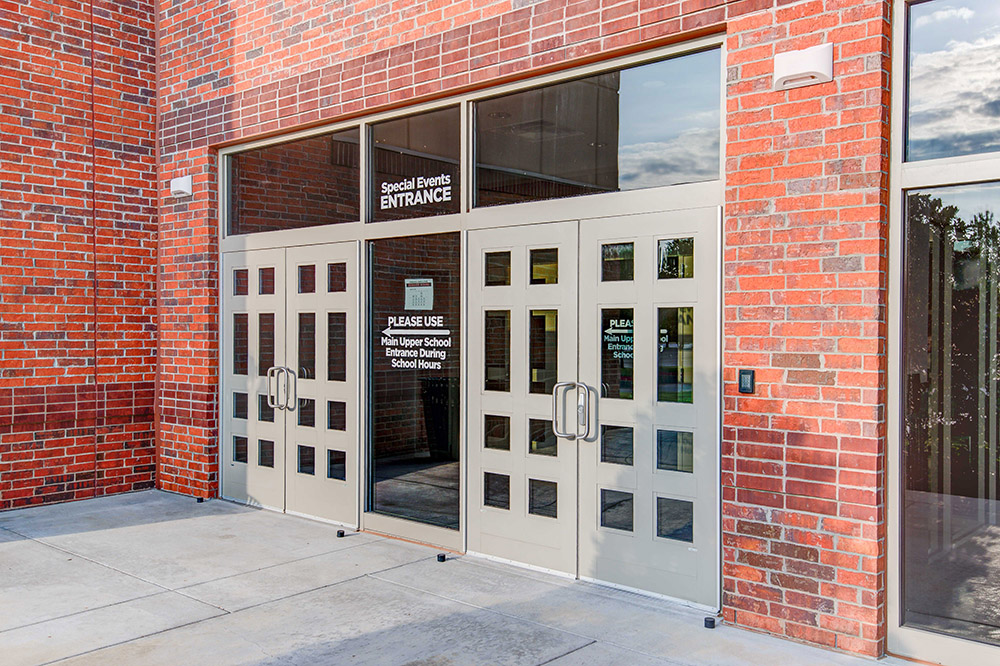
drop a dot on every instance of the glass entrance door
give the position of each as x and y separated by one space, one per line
290 380
593 411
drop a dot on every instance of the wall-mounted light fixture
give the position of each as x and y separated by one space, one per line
182 186
794 69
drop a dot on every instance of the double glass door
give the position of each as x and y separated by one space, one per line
593 404
290 392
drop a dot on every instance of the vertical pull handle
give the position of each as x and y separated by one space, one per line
291 396
555 410
272 398
583 411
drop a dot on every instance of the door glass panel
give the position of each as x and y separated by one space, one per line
675 358
241 282
265 413
675 258
617 262
307 279
265 343
241 343
497 430
543 350
415 377
616 444
239 449
307 412
616 510
541 440
336 277
542 498
497 269
336 415
496 490
239 405
496 344
675 451
951 399
544 266
616 353
307 345
307 459
265 453
336 346
266 281
674 519
336 465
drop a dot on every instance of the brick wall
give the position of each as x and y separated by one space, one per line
77 250
804 266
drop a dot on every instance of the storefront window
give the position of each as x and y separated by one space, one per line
646 126
415 165
951 397
304 183
954 75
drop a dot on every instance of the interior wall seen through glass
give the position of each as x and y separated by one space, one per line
303 183
951 397
645 126
414 293
953 78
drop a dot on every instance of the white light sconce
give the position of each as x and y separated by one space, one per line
181 187
795 69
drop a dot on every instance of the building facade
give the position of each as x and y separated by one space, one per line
691 297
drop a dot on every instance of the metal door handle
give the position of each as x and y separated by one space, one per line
291 400
272 399
555 410
583 411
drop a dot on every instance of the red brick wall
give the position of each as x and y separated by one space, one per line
77 250
803 460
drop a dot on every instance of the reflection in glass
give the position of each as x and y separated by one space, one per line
616 353
645 126
497 269
541 440
296 184
307 412
951 393
544 266
617 262
265 453
307 279
241 343
239 405
307 345
336 415
675 357
616 444
414 399
496 490
542 498
674 519
543 353
307 459
265 343
675 450
239 449
265 283
675 258
241 282
336 277
952 104
496 350
415 165
497 432
265 413
616 509
336 465
336 346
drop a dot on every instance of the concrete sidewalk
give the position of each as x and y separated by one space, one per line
154 578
